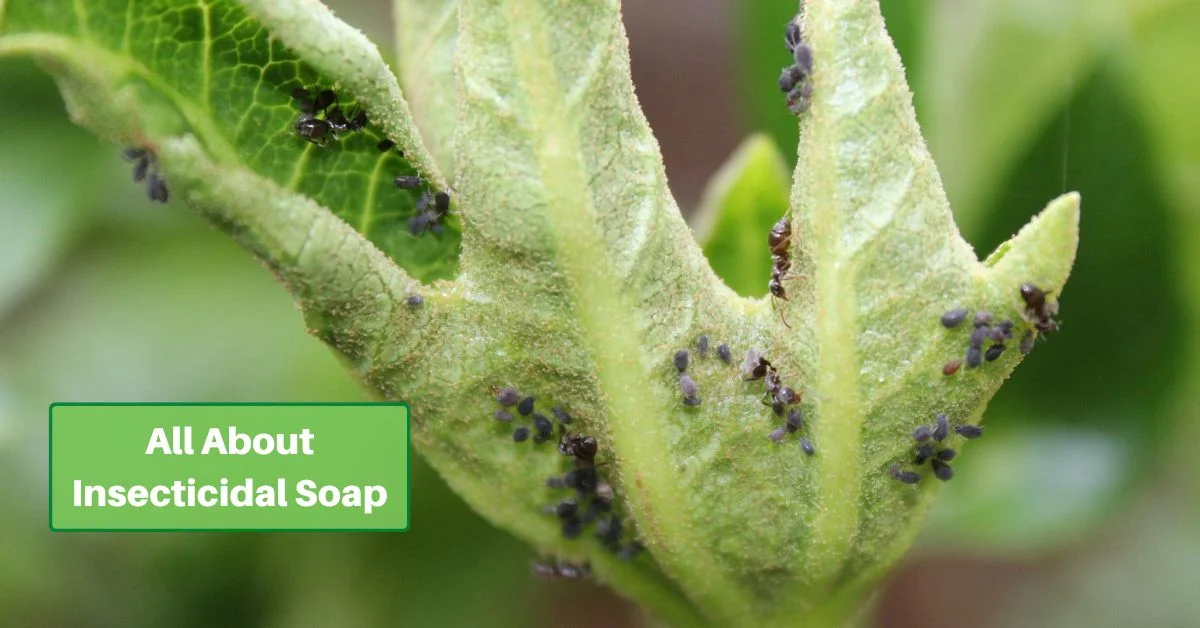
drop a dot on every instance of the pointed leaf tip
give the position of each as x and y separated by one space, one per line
1043 252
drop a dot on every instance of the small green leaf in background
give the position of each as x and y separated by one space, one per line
744 199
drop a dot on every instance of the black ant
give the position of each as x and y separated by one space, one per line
320 130
780 240
755 366
1038 310
583 448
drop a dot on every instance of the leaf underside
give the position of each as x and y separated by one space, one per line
579 280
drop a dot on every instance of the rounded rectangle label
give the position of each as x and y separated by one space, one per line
249 466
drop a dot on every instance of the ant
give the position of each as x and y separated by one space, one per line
1038 310
583 448
319 130
780 240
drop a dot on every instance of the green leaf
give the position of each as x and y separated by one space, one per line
141 73
425 34
580 280
744 199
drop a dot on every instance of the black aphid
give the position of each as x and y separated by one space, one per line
561 415
941 427
566 509
978 336
942 470
385 145
922 433
795 420
601 505
951 367
954 318
140 169
630 551
156 188
995 334
993 352
924 453
946 455
777 407
503 415
415 300
581 447
789 77
792 35
1006 327
983 318
572 528
543 425
969 431
609 530
690 390
145 169
681 360
725 353
807 446
521 434
1026 342
525 406
408 182
908 477
508 396
582 479
778 434
441 201
974 357
702 346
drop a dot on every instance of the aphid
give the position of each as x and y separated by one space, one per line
795 420
561 415
1006 327
942 470
521 434
609 530
572 528
792 35
140 169
779 240
725 353
922 433
690 390
983 318
566 509
978 336
132 153
503 415
799 99
1026 342
790 76
942 427
581 479
803 56
951 367
582 447
601 505
777 407
778 434
385 145
993 352
441 201
954 318
573 571
946 455
702 346
508 396
543 425
807 446
681 360
543 571
924 453
995 334
908 477
525 406
415 300
630 551
974 357
156 188
969 432
408 181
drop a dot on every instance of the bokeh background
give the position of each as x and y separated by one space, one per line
1082 507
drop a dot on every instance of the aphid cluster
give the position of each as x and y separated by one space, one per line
592 503
145 168
687 385
542 428
779 396
930 449
550 570
780 240
321 117
796 79
983 332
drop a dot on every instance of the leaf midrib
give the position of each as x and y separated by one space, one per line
604 318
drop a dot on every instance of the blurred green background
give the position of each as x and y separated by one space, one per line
1082 507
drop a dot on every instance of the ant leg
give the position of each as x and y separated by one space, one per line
782 314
